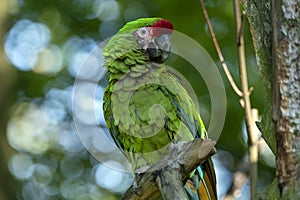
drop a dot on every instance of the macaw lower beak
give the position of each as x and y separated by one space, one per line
159 48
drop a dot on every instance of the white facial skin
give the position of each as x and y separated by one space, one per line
158 47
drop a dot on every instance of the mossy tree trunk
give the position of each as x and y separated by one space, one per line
275 28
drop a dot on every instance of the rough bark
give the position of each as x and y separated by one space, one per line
275 31
181 161
286 95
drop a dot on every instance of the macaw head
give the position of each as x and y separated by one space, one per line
155 40
151 37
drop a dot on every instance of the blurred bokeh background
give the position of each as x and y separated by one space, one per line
42 46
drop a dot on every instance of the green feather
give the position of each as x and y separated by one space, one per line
143 22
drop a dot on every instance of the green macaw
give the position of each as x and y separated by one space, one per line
146 108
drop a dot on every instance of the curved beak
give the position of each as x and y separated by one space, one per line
159 48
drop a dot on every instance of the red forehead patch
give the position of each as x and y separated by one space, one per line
162 27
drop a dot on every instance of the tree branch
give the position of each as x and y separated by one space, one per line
219 52
173 169
251 127
245 94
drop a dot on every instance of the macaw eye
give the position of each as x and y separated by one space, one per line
142 32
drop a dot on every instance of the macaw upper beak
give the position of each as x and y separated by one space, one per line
159 48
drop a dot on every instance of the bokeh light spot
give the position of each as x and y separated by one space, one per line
29 129
19 166
24 42
49 61
69 139
110 179
77 50
85 103
42 174
111 11
33 191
